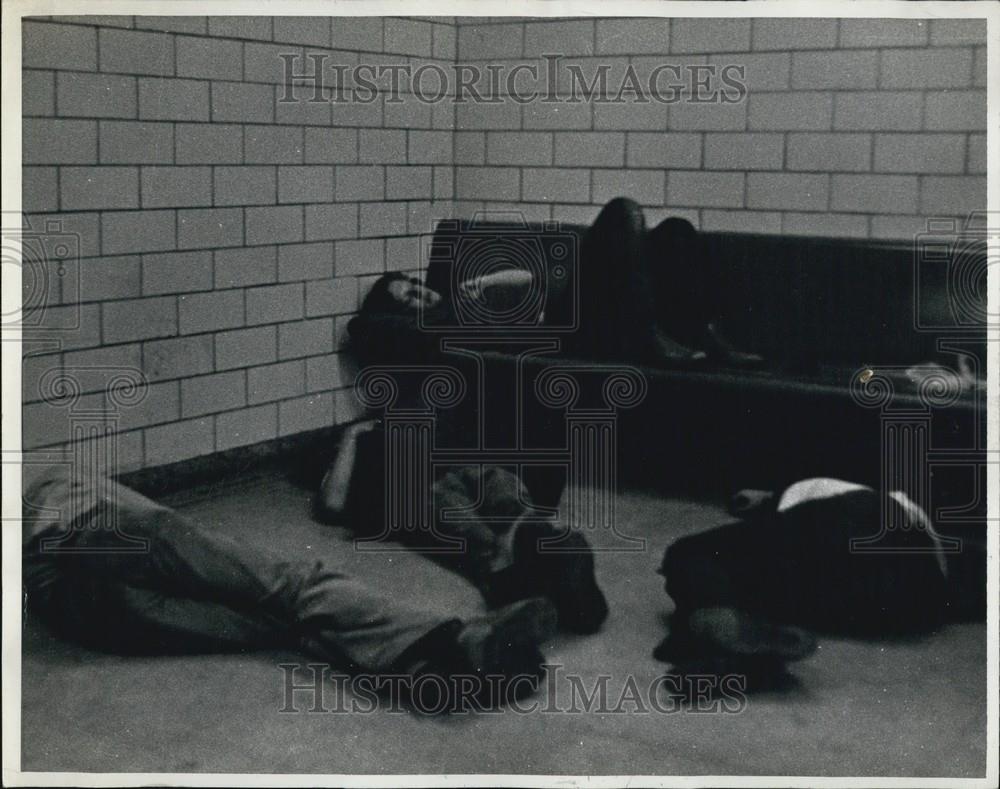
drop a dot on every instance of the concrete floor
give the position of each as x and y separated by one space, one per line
857 708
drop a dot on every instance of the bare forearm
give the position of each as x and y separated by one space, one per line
507 281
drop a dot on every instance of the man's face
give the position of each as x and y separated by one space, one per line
413 294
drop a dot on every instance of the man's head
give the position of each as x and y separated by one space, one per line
395 293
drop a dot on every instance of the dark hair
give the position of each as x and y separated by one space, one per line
379 299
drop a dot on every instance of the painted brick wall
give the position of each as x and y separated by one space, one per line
224 235
850 127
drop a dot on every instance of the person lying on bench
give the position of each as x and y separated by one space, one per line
643 297
482 526
748 595
190 590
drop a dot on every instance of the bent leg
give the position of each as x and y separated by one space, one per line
676 270
618 317
801 567
688 306
197 581
614 300
329 613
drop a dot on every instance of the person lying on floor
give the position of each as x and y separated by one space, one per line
492 536
629 277
749 595
194 590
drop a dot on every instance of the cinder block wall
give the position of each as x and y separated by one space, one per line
850 127
225 237
223 234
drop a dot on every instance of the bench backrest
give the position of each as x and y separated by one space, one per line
796 300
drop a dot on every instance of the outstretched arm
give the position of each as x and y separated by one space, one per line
510 283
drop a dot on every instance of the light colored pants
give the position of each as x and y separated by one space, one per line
193 590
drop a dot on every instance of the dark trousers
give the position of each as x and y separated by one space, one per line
615 311
192 590
686 301
631 281
798 567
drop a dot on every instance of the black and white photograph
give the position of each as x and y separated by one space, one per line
582 395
